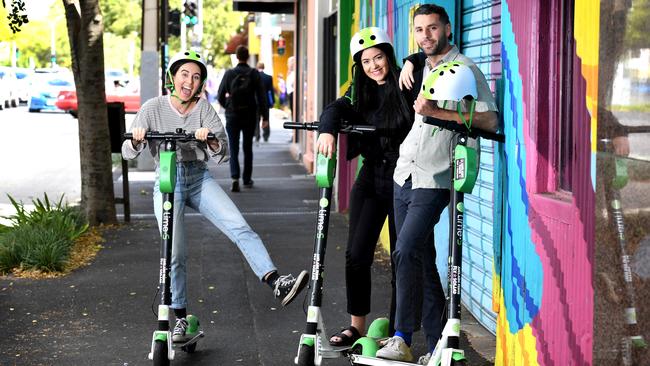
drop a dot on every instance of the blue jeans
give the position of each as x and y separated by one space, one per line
244 126
196 188
420 298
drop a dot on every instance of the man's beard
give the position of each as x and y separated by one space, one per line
439 47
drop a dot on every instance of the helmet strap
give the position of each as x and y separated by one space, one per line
468 122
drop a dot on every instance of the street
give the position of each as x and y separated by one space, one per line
102 314
40 153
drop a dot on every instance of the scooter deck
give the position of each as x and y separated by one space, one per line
334 352
373 361
191 341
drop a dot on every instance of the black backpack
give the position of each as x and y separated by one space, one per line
242 91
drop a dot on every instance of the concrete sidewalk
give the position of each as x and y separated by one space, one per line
102 314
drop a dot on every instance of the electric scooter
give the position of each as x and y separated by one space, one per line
312 348
633 341
162 347
464 166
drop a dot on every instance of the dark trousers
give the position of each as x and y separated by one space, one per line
236 126
266 132
420 298
368 212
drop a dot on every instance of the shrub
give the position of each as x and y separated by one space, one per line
40 239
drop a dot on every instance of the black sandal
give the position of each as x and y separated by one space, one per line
346 340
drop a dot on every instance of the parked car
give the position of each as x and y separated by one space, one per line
46 87
23 84
116 77
9 84
5 93
67 101
129 95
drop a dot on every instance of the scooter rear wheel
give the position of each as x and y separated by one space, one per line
306 355
459 362
365 346
189 349
160 357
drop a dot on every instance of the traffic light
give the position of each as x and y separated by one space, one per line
191 13
174 22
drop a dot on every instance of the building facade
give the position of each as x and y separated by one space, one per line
562 206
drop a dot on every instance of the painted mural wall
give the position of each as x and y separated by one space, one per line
477 32
558 288
545 295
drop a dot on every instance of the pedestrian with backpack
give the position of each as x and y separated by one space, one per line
241 93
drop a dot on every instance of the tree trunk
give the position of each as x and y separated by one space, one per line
85 32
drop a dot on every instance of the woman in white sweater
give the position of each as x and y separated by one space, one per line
195 187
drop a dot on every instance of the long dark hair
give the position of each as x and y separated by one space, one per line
397 115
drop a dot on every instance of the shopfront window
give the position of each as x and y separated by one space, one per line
622 237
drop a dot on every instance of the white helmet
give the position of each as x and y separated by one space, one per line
182 57
366 38
452 80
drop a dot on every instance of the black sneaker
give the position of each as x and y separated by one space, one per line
235 186
287 287
180 331
249 184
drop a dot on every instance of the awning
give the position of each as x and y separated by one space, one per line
236 40
264 6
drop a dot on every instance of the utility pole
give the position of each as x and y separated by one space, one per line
164 35
196 34
52 45
183 36
149 66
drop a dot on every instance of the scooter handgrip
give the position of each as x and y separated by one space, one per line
364 128
301 126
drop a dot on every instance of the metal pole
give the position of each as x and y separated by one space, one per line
164 35
197 30
53 45
183 34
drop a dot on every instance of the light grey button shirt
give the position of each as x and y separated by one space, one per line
425 153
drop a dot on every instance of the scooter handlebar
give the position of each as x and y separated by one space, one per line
474 132
637 129
313 126
178 136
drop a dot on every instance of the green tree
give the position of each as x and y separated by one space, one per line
85 27
85 32
122 17
638 26
123 23
220 23
33 41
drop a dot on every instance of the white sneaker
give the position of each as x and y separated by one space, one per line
395 349
424 360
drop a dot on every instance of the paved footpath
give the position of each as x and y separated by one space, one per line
102 314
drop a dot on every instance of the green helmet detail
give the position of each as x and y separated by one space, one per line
366 38
181 58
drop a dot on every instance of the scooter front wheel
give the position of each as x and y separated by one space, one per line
306 355
160 357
